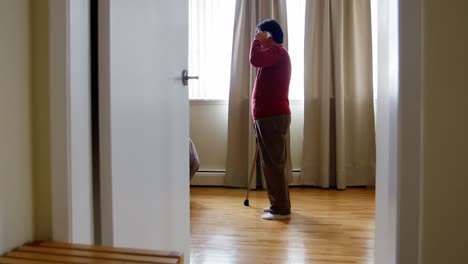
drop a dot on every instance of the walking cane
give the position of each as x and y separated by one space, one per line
246 202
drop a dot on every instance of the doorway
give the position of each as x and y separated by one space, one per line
388 192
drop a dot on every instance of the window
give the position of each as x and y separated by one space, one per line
211 24
296 30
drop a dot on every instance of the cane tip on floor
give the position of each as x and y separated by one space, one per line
246 202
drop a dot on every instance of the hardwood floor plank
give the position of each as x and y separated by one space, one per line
41 252
5 260
58 258
53 258
326 226
96 255
104 249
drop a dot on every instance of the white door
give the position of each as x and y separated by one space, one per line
144 124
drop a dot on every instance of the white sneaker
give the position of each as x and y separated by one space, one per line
270 216
267 210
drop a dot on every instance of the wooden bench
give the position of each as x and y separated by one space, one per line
53 253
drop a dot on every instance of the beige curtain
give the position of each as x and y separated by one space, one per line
339 135
241 137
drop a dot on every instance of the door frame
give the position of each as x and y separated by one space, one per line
400 133
406 195
411 131
70 123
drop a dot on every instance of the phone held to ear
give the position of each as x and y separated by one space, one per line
268 34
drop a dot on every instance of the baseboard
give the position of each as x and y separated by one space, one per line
217 178
214 178
295 179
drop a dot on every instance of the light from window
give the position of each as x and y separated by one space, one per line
296 30
211 26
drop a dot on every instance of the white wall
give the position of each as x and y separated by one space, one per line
41 118
16 209
445 196
208 130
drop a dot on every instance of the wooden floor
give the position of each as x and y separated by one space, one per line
42 252
326 226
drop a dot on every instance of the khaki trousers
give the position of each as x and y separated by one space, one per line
271 139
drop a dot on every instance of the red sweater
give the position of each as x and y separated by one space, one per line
270 93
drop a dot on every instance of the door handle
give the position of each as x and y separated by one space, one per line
186 77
